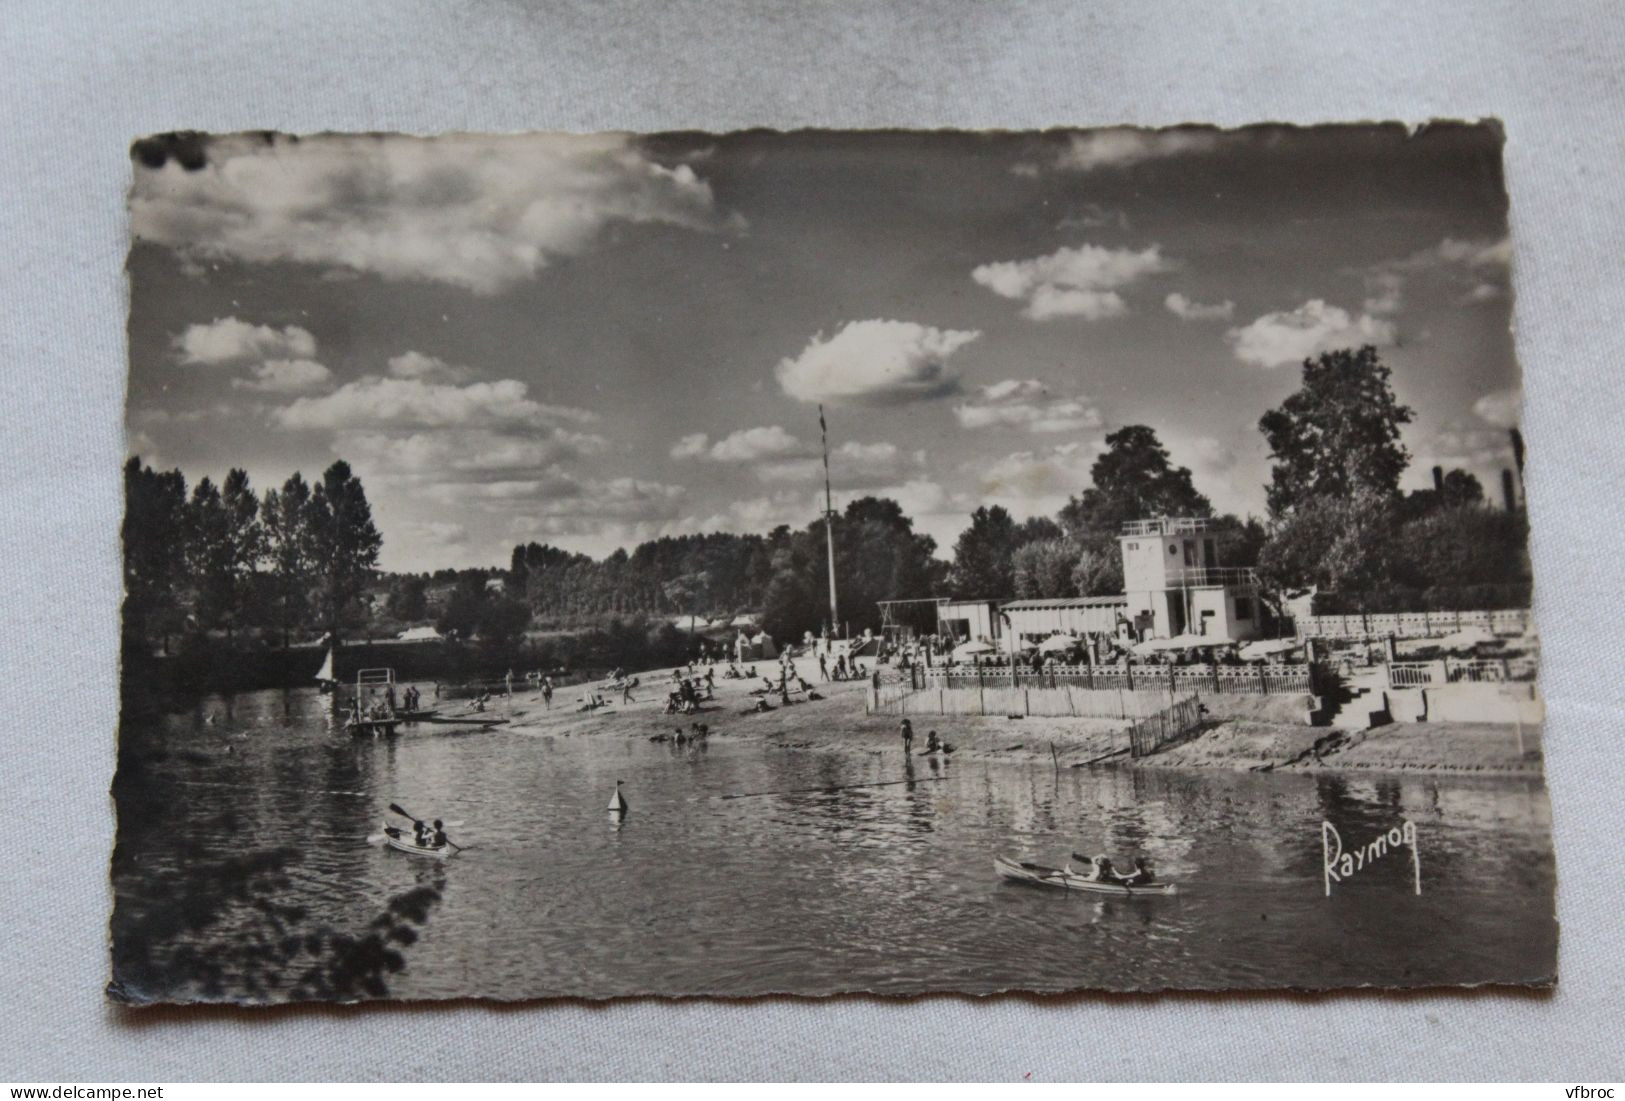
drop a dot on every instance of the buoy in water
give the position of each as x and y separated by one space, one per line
617 801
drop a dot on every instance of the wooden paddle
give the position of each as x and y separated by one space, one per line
403 812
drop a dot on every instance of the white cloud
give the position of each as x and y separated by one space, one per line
1049 301
618 498
795 508
1314 327
286 376
1500 407
1229 471
1034 483
429 368
460 456
853 466
228 340
1186 310
1481 263
749 445
922 497
440 532
1094 216
480 212
1384 292
1473 254
691 446
1080 281
379 403
1029 404
1482 452
875 363
141 443
601 514
1120 147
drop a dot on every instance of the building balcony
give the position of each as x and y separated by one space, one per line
1168 525
1213 577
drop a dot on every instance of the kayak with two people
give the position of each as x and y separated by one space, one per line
424 838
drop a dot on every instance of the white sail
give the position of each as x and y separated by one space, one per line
325 673
617 801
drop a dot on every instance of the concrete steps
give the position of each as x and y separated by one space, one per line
1361 703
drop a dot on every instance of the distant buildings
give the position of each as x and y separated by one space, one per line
1172 585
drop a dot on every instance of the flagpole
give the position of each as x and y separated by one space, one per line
829 527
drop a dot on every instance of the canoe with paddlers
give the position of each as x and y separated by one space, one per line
420 840
397 838
1043 876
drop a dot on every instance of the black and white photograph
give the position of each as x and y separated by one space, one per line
892 562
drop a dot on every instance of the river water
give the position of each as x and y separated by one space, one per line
740 871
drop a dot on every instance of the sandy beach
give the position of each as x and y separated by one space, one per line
838 723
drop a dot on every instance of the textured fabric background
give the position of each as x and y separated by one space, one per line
79 80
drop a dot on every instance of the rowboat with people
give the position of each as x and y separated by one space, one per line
402 841
421 839
1066 879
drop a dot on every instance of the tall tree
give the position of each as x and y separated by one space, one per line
982 566
792 605
878 556
1338 544
1098 570
154 533
1132 480
1465 545
226 544
345 541
1045 568
1338 435
290 546
409 598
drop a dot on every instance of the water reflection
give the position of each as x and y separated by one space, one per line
810 884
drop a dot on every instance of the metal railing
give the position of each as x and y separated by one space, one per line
1422 674
1410 674
1251 680
1167 525
1212 577
1510 621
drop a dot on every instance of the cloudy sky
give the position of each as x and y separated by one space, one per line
594 340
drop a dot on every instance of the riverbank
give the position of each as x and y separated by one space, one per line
837 723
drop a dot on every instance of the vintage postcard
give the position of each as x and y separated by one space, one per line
803 563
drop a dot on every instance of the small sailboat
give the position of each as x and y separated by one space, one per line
325 681
617 801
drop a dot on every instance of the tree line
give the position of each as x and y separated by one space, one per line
298 559
222 558
1338 524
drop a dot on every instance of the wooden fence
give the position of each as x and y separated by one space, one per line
1172 724
1510 621
1247 680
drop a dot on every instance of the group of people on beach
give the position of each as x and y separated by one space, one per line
684 699
842 669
